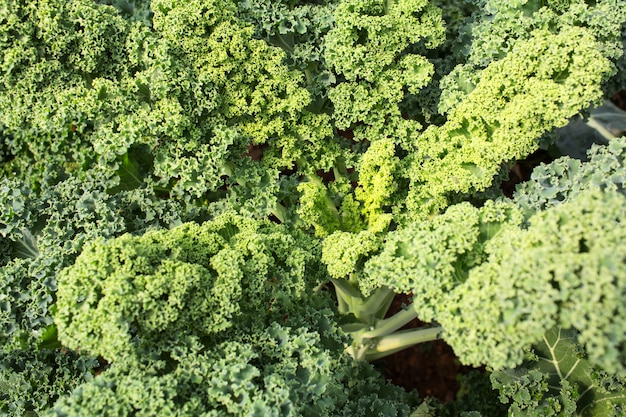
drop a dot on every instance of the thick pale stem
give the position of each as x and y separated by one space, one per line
390 325
396 342
344 288
607 134
368 310
280 212
372 336
378 303
346 294
342 304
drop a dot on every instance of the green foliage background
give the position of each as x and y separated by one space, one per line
180 179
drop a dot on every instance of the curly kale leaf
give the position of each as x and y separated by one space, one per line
370 35
25 304
344 252
518 99
367 47
557 182
564 268
50 52
497 282
32 379
138 10
497 25
135 293
276 371
299 29
175 107
430 258
488 30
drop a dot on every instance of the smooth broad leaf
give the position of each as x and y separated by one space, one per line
26 247
605 123
425 409
49 338
560 356
560 381
134 166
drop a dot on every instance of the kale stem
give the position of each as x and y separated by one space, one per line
390 325
377 305
396 342
345 295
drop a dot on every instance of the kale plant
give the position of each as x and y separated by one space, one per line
208 206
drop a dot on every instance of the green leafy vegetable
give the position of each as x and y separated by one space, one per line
208 206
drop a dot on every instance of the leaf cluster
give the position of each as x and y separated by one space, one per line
210 319
181 179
